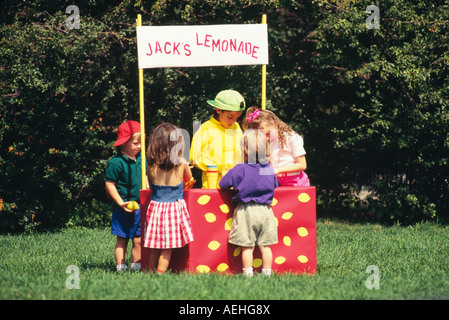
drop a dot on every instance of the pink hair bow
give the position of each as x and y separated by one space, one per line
253 115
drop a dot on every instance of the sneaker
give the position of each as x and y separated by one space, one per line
135 267
121 267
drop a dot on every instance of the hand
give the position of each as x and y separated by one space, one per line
189 184
125 208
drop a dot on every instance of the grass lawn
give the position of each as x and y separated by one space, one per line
413 263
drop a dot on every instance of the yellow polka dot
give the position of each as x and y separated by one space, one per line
202 268
203 199
287 215
275 201
224 208
257 263
210 217
228 224
287 241
222 267
237 251
277 221
302 232
303 259
213 245
279 260
303 197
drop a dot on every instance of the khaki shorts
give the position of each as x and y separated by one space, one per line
253 225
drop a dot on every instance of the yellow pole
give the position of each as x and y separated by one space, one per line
142 118
264 74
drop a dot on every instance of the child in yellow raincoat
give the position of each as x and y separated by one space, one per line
217 141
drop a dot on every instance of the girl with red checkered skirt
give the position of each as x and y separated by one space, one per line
167 224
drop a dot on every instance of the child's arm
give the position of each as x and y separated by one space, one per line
187 175
299 165
187 172
226 181
112 191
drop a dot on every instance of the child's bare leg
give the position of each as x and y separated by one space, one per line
136 254
136 250
247 260
267 257
164 260
120 250
153 259
247 257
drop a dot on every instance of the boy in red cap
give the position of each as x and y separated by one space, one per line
123 184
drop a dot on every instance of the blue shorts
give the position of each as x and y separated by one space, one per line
126 225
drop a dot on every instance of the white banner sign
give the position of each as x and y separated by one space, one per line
200 46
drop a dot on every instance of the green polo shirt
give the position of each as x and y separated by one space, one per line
126 173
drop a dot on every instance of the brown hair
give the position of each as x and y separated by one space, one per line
163 147
267 119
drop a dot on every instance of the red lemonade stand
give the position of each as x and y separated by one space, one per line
211 210
211 213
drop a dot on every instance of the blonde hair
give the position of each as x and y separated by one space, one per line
255 146
267 119
134 135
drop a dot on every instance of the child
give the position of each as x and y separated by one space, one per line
287 147
123 183
217 140
253 222
167 223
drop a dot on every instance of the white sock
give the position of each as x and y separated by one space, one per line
121 267
136 266
266 272
248 272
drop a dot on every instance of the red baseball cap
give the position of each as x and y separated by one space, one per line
125 132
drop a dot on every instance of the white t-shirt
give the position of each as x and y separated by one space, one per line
293 148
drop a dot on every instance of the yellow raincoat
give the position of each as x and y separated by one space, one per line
213 144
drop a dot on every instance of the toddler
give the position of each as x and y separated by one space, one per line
123 184
254 181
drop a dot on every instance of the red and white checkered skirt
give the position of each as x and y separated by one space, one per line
167 225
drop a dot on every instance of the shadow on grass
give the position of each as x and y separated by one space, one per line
99 266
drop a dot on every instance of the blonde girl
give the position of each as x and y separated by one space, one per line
167 224
287 147
253 182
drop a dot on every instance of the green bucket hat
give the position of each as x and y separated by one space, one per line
228 100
